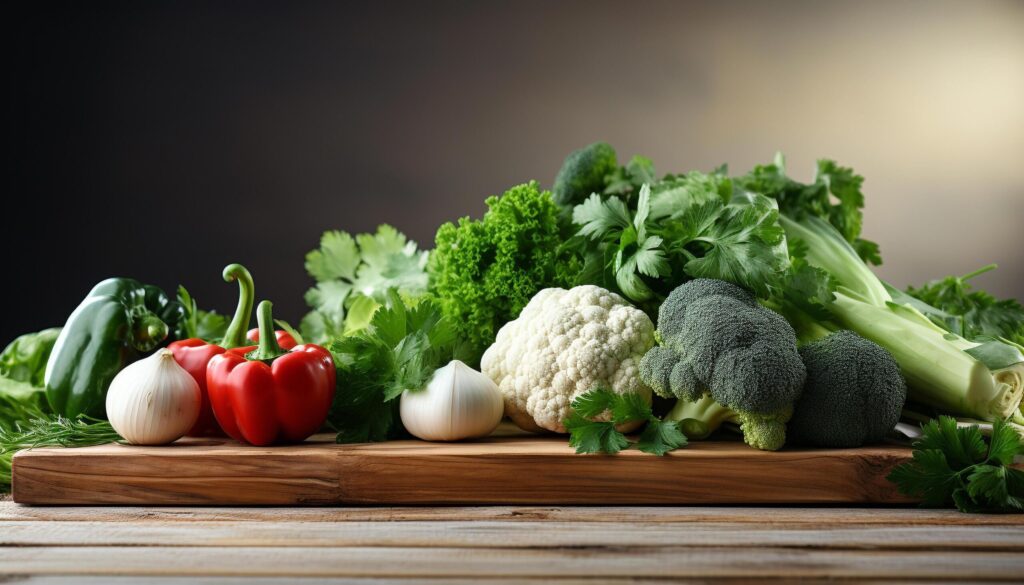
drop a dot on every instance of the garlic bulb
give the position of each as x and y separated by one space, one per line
153 401
458 403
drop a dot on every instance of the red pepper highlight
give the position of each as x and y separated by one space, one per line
266 394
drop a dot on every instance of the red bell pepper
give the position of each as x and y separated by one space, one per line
284 339
194 354
266 394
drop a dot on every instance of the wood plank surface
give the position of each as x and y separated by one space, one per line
498 470
557 545
512 535
819 517
440 561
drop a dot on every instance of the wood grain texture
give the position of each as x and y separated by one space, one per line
513 535
606 561
825 518
502 545
497 470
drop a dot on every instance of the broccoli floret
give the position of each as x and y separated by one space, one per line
719 344
584 172
853 395
671 314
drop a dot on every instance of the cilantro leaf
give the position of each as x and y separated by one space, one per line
1004 444
353 276
337 258
952 465
742 244
987 485
929 477
594 437
590 436
630 407
594 403
649 259
962 447
692 221
599 218
660 437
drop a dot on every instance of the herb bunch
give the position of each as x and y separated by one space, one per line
953 466
399 350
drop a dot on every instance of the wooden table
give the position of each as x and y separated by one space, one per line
502 544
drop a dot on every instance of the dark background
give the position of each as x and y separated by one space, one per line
163 140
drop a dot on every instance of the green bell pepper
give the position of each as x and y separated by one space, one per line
119 321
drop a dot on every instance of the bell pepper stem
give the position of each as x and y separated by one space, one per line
268 349
235 334
148 331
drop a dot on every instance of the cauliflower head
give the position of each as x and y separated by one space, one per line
564 343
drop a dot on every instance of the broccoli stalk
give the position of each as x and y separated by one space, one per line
942 369
699 418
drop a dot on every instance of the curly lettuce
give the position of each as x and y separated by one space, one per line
483 272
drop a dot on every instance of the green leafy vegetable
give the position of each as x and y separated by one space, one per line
798 201
353 276
969 312
589 436
484 272
19 402
687 227
206 325
399 350
952 466
24 359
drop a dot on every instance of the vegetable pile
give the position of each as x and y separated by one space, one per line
623 308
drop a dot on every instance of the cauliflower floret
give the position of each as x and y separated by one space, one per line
564 343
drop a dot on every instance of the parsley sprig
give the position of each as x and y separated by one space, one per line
589 436
953 466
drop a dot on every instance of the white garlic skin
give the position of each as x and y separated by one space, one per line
153 401
458 403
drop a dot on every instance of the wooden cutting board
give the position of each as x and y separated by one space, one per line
508 468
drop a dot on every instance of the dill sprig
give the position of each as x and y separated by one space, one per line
44 430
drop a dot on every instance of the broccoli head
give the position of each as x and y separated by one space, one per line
718 343
853 395
584 172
